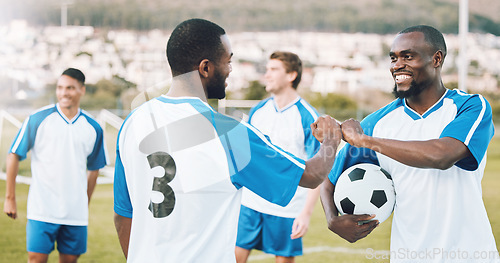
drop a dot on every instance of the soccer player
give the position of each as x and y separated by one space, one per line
433 142
180 164
286 118
67 151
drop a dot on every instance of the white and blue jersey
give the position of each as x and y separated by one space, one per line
179 168
62 150
289 128
438 213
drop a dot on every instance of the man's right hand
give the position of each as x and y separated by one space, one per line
10 208
326 128
352 227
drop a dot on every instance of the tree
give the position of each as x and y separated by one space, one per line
255 91
339 106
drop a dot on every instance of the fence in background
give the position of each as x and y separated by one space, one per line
105 118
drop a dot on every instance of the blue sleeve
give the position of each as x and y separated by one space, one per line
258 165
308 116
25 138
473 126
97 158
350 155
122 203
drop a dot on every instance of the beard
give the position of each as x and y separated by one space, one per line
414 90
216 89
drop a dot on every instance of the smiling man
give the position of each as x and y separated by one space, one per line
67 151
433 142
180 165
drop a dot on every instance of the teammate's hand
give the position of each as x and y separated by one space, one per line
352 132
353 227
10 208
326 128
300 226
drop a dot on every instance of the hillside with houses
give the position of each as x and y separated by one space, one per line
32 57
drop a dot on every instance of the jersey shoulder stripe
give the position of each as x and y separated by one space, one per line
27 133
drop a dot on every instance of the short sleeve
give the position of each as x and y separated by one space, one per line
97 158
122 203
260 166
473 126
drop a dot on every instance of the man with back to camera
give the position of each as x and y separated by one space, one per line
180 164
65 143
286 118
433 142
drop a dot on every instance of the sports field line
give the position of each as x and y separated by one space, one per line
311 250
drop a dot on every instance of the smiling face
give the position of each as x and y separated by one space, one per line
412 64
276 76
69 92
216 87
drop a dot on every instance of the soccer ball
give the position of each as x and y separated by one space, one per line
365 189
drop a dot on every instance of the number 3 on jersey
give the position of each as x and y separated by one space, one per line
160 184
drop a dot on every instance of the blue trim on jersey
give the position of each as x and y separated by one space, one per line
473 115
349 155
97 158
25 138
249 155
290 105
122 204
481 129
306 111
415 116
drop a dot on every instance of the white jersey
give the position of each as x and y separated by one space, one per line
179 168
439 215
289 128
62 150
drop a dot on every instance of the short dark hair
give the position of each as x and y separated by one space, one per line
291 62
431 35
191 42
76 74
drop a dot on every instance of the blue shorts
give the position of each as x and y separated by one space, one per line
41 236
267 233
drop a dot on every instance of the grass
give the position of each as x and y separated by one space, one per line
103 243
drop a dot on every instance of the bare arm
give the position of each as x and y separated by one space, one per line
123 226
12 168
440 153
327 131
91 182
346 226
301 223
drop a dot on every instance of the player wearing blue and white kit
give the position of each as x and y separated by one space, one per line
285 118
180 164
433 142
65 143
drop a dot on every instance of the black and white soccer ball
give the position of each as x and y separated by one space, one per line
365 189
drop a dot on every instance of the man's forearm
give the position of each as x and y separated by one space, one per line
123 226
91 182
440 153
319 166
12 168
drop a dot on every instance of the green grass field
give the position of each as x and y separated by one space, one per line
320 244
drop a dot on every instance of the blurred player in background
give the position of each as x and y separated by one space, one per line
180 164
433 142
67 151
286 118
